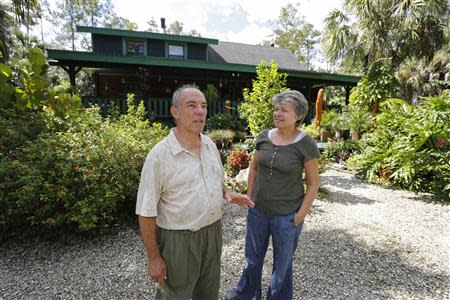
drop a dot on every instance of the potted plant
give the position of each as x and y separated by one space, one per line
329 119
340 125
358 122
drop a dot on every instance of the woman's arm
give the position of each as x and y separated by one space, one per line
251 175
312 186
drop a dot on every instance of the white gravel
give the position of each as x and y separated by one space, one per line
360 242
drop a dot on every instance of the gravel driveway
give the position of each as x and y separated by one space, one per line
360 242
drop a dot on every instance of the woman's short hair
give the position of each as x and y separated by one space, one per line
298 101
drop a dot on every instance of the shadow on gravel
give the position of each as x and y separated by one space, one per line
332 264
343 182
428 198
110 265
346 198
329 264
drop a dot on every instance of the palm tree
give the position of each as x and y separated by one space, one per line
366 31
26 12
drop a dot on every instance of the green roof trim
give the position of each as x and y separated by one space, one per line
78 58
146 35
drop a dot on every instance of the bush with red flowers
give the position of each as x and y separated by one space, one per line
238 159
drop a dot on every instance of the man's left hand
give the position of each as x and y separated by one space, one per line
238 199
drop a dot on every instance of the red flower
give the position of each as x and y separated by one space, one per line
440 143
239 160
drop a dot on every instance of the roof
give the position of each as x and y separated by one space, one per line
146 35
79 58
236 53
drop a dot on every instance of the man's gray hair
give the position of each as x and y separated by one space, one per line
298 101
177 94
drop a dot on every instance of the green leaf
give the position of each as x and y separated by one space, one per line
6 92
5 72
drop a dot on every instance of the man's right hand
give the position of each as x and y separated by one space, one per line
157 270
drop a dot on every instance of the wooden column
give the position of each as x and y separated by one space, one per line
72 71
347 94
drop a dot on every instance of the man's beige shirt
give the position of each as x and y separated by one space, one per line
183 191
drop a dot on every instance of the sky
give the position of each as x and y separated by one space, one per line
244 21
239 21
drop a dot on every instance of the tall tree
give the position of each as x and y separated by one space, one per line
175 28
193 32
67 15
152 25
365 31
6 24
121 23
26 12
295 34
98 12
70 13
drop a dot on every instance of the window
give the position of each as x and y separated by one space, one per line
135 47
176 51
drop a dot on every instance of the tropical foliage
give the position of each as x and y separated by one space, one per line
409 146
378 84
366 31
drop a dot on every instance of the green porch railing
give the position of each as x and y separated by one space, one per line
157 108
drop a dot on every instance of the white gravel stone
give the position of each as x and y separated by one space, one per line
360 242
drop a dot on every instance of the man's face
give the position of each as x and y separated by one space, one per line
190 112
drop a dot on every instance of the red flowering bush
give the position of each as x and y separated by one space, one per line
236 161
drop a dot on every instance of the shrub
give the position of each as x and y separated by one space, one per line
378 84
79 172
340 151
330 119
358 119
222 137
219 121
211 93
256 108
409 146
61 165
311 129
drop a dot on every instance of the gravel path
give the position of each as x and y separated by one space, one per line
360 242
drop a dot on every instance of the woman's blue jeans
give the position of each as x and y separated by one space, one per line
260 226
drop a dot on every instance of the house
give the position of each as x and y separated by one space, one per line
152 65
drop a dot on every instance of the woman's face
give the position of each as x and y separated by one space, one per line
285 115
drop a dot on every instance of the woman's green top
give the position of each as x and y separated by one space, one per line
278 188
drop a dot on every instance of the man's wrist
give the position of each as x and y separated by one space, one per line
154 253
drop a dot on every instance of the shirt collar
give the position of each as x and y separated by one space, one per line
176 147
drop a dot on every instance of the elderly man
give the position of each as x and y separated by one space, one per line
179 205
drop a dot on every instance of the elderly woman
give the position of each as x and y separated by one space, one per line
275 184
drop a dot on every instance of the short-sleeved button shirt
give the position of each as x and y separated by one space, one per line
183 191
278 188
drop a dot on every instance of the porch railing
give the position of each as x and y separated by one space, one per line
157 108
